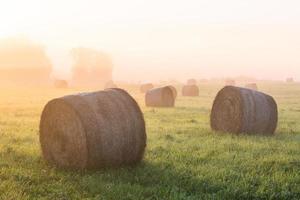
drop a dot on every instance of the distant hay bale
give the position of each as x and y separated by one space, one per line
93 130
290 80
190 90
252 86
60 84
239 110
229 82
160 97
174 91
145 87
191 82
110 84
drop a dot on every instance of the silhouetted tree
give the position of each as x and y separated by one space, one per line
91 67
23 61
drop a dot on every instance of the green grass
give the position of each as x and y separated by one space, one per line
184 158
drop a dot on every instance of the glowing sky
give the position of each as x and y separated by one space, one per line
162 39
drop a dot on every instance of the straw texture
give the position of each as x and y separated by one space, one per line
239 110
93 130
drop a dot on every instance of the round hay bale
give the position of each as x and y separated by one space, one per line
160 97
229 82
252 86
191 82
60 84
93 130
190 90
145 87
239 110
174 91
110 84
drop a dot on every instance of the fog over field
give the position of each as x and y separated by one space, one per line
149 99
154 40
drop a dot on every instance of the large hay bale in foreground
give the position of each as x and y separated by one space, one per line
145 87
239 110
252 86
191 82
190 90
93 130
60 84
160 97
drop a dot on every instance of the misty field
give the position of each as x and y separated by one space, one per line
184 159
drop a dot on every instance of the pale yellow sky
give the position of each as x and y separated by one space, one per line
156 40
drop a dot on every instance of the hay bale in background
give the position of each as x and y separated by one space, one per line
290 80
60 84
239 110
160 97
190 90
145 87
230 82
174 91
252 86
110 84
93 130
191 82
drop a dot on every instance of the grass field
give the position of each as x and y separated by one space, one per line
184 158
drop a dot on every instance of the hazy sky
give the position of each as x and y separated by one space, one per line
166 39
